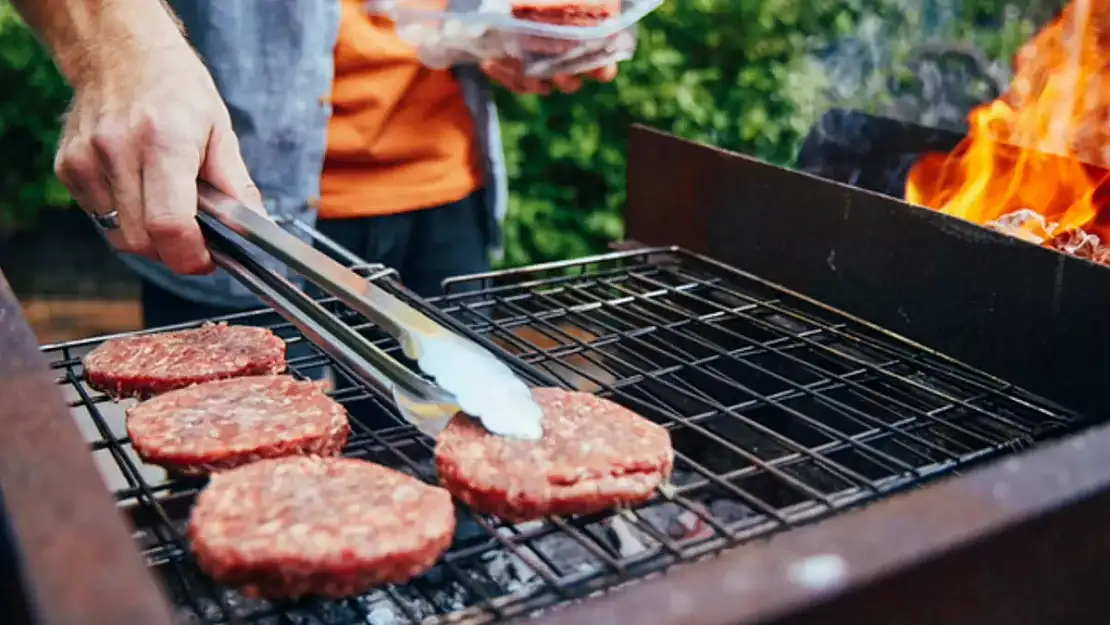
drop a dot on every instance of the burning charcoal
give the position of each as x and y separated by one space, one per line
679 523
630 542
566 553
1102 255
1075 242
676 522
510 572
384 609
729 510
1023 224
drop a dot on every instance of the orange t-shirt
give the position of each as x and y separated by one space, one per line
401 137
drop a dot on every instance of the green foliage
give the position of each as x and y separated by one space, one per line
32 100
740 74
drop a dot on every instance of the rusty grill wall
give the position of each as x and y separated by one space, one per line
782 412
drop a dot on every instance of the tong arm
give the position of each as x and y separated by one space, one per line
337 338
400 320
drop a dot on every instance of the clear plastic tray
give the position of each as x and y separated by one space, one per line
548 37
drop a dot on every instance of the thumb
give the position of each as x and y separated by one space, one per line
223 168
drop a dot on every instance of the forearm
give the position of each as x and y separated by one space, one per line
87 36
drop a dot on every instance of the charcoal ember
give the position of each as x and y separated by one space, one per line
675 521
1076 242
567 553
1024 224
199 601
1018 233
510 572
1102 255
315 612
380 607
679 522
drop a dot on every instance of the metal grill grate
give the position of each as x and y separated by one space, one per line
781 411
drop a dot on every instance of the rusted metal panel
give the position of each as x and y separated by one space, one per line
74 561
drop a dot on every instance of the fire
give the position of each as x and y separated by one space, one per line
1041 146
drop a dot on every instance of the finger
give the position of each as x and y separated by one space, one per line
118 175
509 75
119 237
567 83
224 168
169 191
535 85
78 168
502 75
604 74
72 169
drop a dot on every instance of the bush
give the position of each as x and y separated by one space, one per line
31 105
748 75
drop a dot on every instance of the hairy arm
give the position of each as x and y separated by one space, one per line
145 123
87 36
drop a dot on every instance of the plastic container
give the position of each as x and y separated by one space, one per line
548 37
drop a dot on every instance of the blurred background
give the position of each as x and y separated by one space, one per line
747 75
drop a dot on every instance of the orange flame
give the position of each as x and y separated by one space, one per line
1043 144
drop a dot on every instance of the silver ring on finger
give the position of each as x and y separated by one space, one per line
106 221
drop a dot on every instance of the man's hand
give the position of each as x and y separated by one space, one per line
509 73
145 123
137 138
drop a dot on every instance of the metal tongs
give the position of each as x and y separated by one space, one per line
467 377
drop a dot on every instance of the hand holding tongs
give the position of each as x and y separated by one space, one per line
468 378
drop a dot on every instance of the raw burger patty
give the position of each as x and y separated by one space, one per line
563 14
334 527
594 455
142 366
223 424
582 14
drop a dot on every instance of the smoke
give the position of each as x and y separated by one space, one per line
927 62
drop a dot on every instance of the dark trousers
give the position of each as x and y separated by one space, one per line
425 246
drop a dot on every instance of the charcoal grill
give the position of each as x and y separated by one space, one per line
828 470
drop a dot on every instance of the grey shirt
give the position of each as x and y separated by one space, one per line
272 61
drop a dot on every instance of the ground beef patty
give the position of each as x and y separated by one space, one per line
583 13
565 13
144 365
334 527
594 454
223 424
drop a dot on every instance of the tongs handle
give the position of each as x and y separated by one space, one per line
467 377
338 339
390 313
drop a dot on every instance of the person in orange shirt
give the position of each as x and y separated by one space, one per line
412 175
342 127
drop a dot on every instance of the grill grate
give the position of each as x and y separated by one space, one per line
781 411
